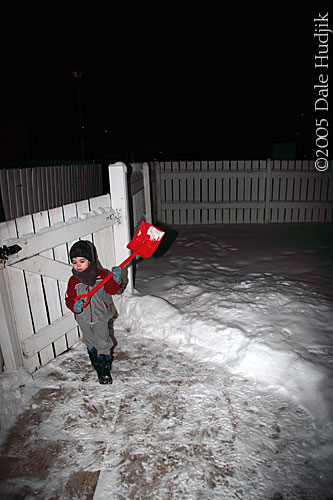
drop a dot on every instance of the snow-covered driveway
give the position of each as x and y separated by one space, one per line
222 386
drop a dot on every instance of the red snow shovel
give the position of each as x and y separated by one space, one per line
144 243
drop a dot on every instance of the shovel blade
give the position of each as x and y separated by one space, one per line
146 240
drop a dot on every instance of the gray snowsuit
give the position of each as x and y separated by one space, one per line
94 320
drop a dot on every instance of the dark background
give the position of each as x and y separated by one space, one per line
202 84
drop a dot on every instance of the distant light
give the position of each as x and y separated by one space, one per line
105 131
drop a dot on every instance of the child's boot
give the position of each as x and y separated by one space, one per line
103 367
93 356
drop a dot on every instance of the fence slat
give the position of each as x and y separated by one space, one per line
226 193
103 239
49 309
211 193
219 194
255 214
27 286
175 192
189 192
233 192
168 193
197 194
204 193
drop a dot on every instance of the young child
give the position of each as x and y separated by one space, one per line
94 318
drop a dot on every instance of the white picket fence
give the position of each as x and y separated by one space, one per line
216 192
36 326
32 189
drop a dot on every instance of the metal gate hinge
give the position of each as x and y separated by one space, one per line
5 251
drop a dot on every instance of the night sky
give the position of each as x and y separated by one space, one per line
200 83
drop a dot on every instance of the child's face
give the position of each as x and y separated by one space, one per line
80 264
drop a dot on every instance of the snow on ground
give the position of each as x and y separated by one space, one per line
236 400
257 300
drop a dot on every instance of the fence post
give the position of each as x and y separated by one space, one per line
119 201
9 341
158 191
146 187
268 191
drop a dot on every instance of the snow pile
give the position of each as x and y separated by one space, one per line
13 397
268 327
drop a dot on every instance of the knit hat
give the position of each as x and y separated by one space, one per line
81 249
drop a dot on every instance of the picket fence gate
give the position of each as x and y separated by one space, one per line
218 192
36 326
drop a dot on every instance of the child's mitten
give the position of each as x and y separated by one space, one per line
117 274
78 306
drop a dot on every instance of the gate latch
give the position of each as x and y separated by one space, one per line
5 251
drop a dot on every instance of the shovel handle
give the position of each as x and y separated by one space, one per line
102 283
